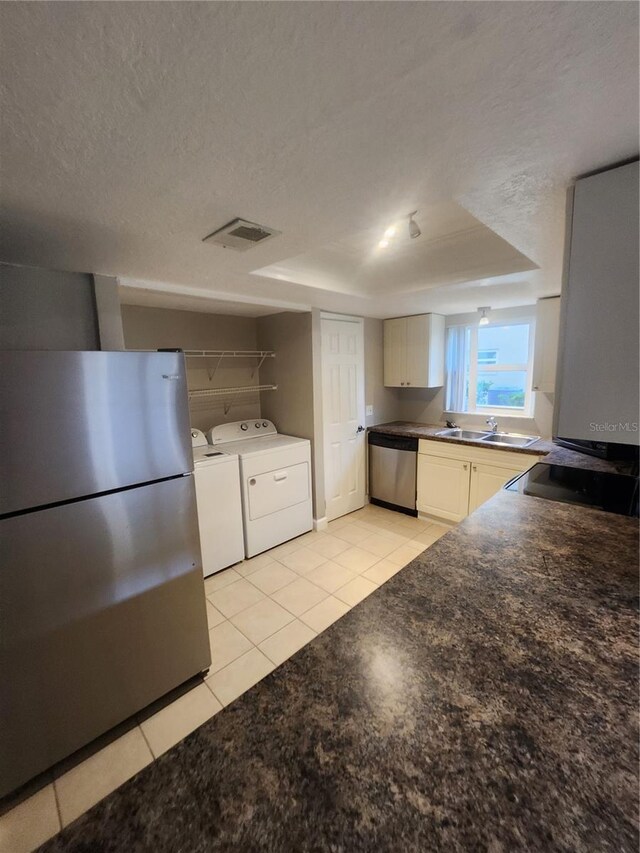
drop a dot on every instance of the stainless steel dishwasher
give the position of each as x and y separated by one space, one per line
392 472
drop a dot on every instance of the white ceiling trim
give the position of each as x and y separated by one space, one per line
207 296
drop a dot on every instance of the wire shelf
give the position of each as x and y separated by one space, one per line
201 396
218 354
228 353
238 389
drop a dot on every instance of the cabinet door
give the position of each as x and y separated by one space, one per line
395 351
486 480
443 487
417 373
545 353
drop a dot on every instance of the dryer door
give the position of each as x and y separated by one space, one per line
276 490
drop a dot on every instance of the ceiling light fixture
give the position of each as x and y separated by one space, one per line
414 230
484 320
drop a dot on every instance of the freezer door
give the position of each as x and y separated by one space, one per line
74 424
102 609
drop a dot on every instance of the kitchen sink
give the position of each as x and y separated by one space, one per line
510 439
505 439
467 434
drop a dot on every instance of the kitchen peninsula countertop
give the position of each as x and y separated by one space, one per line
552 453
482 699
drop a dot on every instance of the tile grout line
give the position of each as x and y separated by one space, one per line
212 691
327 594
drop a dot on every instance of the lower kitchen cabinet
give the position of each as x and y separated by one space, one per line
443 487
454 479
486 480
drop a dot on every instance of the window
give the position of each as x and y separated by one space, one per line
489 368
487 356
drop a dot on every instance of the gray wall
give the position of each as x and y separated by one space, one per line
105 289
47 309
156 328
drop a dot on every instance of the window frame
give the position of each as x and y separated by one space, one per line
488 363
525 411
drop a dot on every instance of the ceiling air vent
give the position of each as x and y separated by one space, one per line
239 234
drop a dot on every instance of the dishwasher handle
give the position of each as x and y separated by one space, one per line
393 442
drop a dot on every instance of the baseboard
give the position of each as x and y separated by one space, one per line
320 523
445 522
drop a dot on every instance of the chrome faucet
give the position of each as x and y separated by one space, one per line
493 423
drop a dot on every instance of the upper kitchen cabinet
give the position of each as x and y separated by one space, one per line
598 376
545 354
414 351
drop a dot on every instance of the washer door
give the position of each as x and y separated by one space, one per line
276 490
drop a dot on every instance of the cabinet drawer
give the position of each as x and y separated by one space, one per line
479 453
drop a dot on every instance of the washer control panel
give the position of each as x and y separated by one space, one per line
239 430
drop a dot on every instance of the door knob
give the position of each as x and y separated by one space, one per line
360 429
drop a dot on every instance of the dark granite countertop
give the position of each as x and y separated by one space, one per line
483 699
553 454
430 431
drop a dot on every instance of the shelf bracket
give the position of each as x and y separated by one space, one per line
259 365
228 405
212 375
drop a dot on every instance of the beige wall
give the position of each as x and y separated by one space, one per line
156 328
291 407
384 400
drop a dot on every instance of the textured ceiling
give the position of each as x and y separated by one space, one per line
453 247
132 130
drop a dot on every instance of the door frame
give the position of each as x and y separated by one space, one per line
321 523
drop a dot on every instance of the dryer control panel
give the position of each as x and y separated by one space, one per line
239 430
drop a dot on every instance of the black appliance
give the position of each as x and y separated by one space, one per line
617 493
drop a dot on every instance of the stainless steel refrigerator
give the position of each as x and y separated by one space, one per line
102 606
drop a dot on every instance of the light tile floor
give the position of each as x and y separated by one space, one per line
260 612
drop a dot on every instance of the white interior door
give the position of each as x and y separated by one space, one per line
343 414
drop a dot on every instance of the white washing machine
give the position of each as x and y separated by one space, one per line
275 476
217 481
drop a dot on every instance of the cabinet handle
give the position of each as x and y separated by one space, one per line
408 383
475 467
465 466
402 383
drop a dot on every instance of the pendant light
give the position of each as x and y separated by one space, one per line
414 229
484 320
